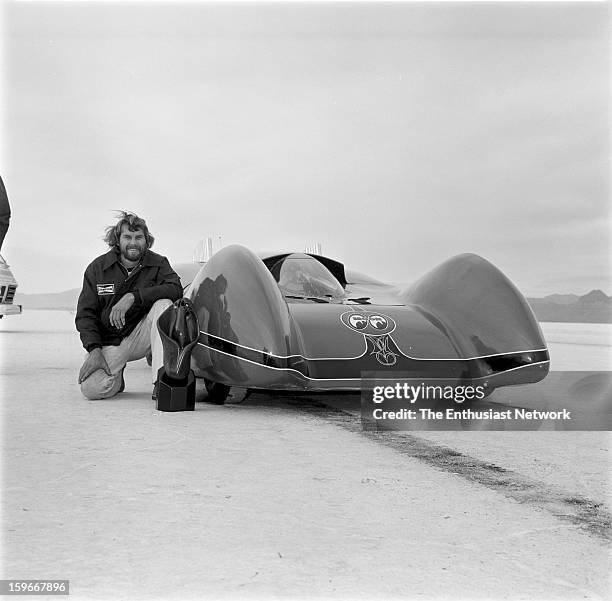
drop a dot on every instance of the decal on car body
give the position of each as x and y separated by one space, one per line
375 328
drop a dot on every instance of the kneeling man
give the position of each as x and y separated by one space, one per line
124 292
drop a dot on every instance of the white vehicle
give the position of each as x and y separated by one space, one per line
8 286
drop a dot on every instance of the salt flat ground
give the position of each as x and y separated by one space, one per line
265 500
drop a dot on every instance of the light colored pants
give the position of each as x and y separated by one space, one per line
143 340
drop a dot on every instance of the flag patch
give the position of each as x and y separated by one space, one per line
106 289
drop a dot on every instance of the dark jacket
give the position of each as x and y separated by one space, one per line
5 212
104 284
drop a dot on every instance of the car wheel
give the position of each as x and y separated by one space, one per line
217 392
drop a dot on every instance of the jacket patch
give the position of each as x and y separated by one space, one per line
106 289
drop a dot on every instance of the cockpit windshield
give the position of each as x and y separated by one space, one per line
299 275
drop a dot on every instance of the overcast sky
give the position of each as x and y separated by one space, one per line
396 135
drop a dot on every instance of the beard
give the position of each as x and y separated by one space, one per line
132 253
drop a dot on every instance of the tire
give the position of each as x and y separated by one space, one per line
217 392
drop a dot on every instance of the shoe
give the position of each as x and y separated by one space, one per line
122 385
155 391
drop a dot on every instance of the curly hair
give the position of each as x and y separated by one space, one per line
113 232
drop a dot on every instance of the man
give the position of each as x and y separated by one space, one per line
124 292
5 212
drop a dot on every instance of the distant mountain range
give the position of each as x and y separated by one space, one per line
594 307
66 300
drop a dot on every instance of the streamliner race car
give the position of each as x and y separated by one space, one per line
302 322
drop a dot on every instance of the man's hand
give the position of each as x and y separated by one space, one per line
117 314
95 361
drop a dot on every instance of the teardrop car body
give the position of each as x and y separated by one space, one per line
301 322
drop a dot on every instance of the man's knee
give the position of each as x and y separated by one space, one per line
159 306
100 386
